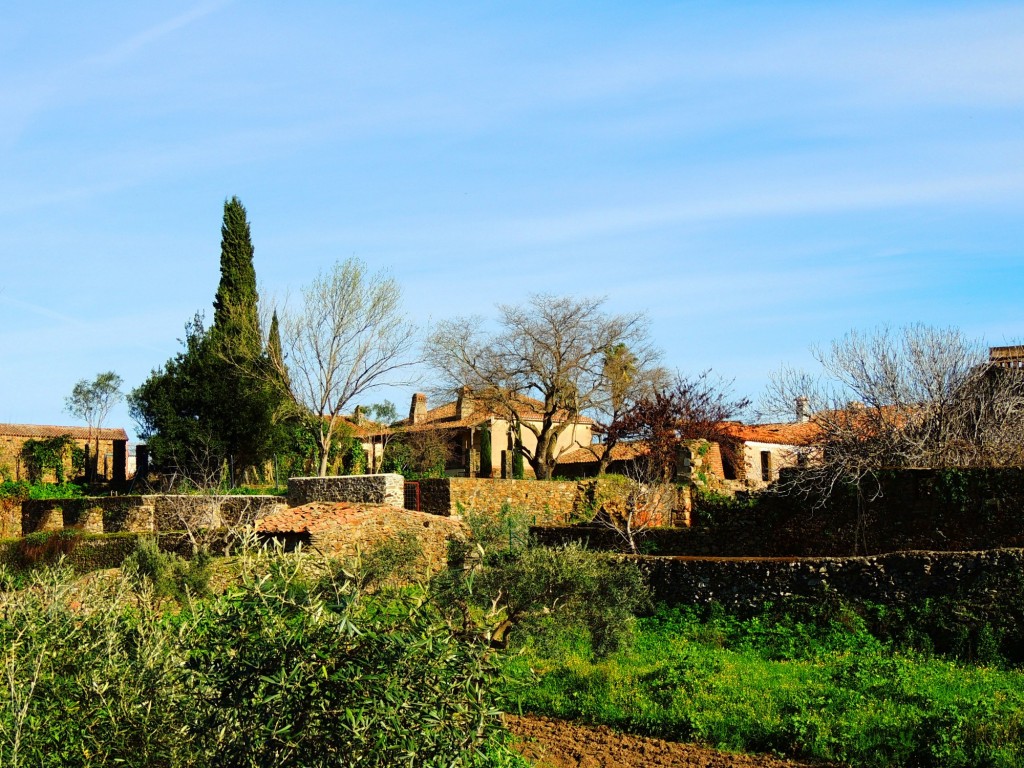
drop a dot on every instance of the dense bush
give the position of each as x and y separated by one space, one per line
506 587
281 669
167 574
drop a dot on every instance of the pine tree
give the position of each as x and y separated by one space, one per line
235 315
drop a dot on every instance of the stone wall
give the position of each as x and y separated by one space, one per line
946 510
362 530
111 464
10 518
550 501
744 585
933 510
86 553
143 514
358 489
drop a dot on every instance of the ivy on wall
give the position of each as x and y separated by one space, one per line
50 453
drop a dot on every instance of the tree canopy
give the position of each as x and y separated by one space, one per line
917 396
92 401
214 404
348 336
542 370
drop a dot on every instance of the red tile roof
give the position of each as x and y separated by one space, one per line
43 431
799 433
591 454
311 518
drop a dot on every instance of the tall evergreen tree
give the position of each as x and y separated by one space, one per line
274 350
214 404
235 314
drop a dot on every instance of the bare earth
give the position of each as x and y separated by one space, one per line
559 744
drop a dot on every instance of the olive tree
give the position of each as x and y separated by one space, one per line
541 370
347 336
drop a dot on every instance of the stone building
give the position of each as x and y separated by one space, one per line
462 423
111 458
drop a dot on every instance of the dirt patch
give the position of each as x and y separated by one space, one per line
560 744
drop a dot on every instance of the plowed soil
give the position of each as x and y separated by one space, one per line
559 744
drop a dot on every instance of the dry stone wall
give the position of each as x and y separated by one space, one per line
745 585
358 489
144 514
552 502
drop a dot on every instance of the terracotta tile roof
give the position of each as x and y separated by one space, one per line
312 518
798 433
43 431
364 428
591 454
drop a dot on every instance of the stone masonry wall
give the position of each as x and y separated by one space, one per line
550 501
10 518
358 489
143 514
746 584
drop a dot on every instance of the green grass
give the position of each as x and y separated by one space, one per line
830 692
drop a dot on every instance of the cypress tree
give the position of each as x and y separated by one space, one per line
214 404
274 351
518 468
235 315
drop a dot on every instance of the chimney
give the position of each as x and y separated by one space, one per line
466 404
803 410
418 409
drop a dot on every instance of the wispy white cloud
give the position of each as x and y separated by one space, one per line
25 94
36 309
126 49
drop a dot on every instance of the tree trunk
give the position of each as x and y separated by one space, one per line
324 443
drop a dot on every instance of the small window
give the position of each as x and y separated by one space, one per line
766 466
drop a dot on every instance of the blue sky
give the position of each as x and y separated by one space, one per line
756 177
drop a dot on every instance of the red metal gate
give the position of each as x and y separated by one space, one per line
412 496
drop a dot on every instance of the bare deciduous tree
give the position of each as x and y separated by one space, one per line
348 336
918 396
542 370
648 503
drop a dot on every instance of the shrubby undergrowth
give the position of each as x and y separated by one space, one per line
825 689
22 489
292 665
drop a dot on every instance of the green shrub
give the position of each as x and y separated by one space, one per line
168 574
506 532
267 673
543 595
